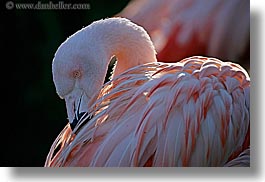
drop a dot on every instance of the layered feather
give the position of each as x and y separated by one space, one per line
191 113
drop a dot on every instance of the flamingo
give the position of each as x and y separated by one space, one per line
194 112
180 29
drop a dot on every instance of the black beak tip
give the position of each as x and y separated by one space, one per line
78 118
73 123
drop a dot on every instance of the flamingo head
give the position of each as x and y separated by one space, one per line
80 63
78 73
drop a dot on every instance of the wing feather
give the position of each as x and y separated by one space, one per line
192 113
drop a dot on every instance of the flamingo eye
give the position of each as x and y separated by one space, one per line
77 74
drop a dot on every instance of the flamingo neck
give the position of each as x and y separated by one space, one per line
129 42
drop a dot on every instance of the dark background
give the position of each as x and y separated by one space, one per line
33 114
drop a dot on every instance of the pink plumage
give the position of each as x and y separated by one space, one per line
184 28
191 113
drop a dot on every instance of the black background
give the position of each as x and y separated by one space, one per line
32 113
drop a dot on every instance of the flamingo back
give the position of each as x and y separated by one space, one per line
191 113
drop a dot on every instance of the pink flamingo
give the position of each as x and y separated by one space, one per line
191 113
180 29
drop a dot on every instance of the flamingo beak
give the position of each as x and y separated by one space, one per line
76 105
79 116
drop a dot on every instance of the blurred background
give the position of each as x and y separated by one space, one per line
34 115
